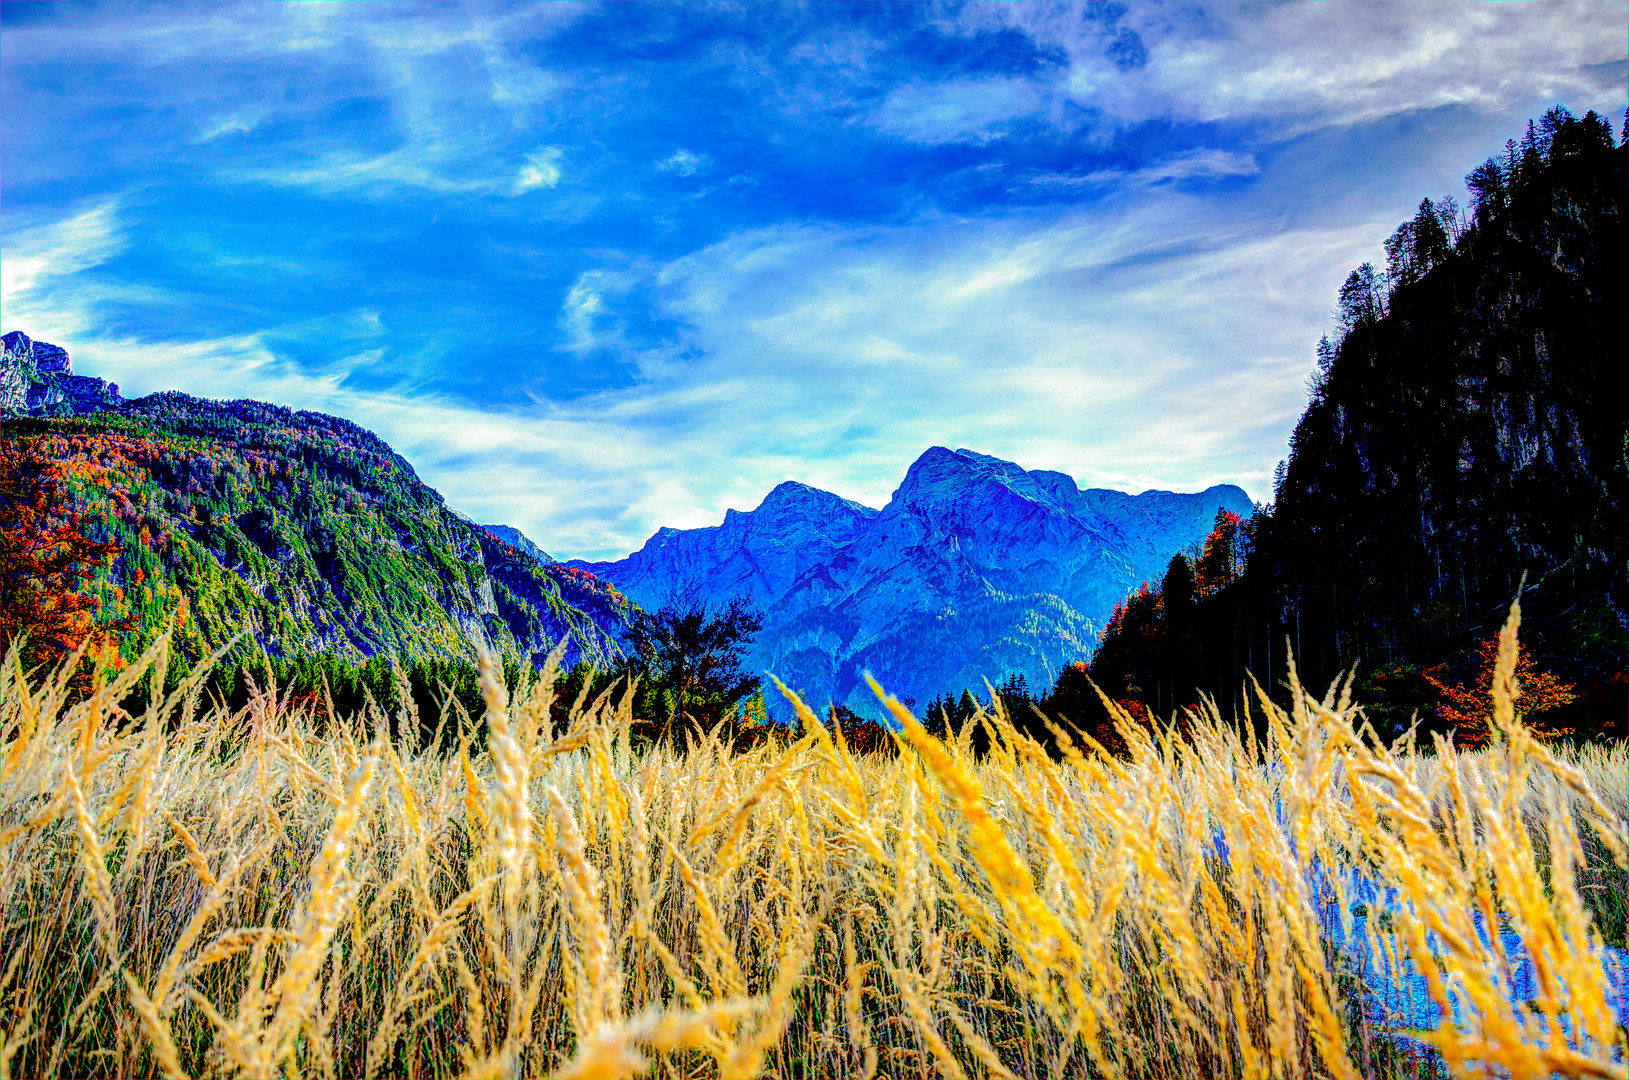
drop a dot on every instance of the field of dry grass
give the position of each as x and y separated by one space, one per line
186 892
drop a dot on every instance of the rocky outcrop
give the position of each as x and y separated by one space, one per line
546 603
38 378
976 569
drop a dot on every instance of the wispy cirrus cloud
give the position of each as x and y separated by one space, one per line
1196 165
58 248
684 162
1358 62
957 110
234 124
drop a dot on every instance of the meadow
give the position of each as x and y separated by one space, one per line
191 891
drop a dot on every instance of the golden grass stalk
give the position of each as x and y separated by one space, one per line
1193 907
331 893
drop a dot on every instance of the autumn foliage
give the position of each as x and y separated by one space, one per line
46 559
1469 708
1221 562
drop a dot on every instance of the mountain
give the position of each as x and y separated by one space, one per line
515 538
305 529
976 569
760 554
1470 430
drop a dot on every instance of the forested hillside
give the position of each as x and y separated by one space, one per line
1468 428
303 530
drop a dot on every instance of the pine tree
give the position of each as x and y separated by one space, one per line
1222 559
1326 354
1431 244
1487 186
1359 302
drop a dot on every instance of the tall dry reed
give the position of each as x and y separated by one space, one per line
188 891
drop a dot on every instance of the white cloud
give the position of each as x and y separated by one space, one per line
1347 63
1202 165
74 243
542 170
1295 67
235 124
1195 165
958 110
228 71
349 171
582 312
684 162
1301 66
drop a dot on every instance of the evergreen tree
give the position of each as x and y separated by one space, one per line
1487 185
1326 354
1177 588
1431 244
1359 299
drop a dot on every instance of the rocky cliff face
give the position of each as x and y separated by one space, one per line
976 569
38 378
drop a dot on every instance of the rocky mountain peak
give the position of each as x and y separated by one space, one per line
790 500
38 377
937 471
947 485
48 359
793 492
52 359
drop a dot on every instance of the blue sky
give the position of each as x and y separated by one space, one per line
596 269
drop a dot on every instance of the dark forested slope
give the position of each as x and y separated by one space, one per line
1468 428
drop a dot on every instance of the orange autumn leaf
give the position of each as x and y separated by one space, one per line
1469 707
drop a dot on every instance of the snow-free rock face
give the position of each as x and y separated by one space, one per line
37 377
976 569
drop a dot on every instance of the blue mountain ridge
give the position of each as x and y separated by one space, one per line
975 569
